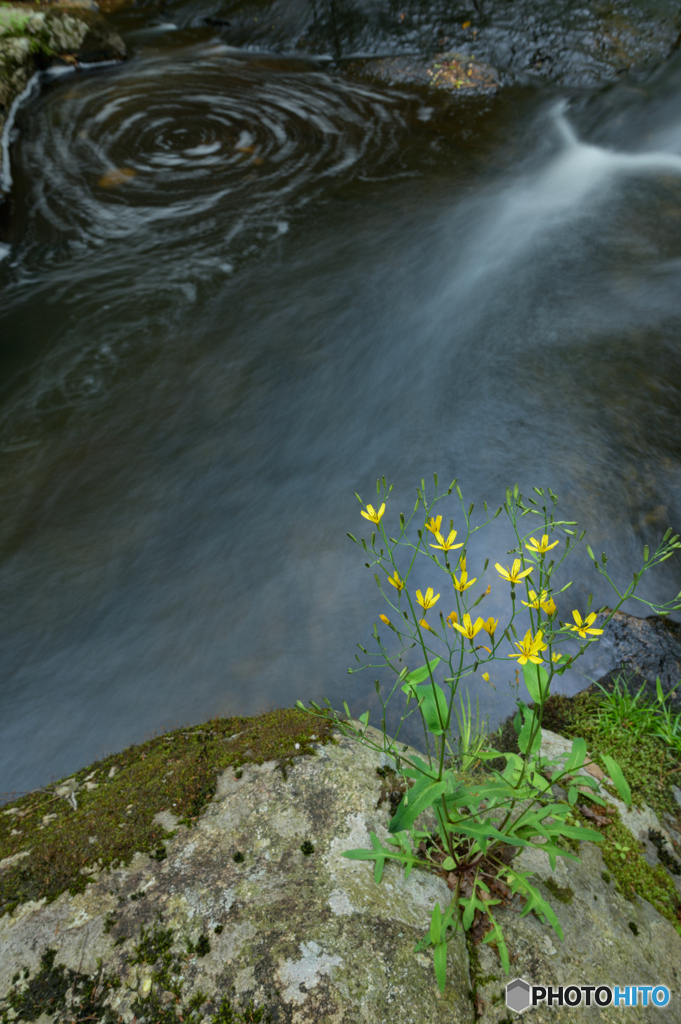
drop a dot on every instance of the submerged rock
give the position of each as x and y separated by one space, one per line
35 37
450 72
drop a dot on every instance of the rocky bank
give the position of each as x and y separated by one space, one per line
253 914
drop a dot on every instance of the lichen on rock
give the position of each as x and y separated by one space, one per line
303 938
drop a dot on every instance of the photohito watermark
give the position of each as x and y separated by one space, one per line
520 995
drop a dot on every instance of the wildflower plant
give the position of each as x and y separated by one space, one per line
477 827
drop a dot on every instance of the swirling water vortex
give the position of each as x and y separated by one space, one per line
209 151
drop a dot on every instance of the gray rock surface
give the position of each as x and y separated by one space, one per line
34 37
312 937
599 947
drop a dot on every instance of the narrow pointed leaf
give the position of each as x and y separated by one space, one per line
419 674
621 784
441 965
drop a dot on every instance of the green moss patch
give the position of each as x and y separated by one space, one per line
64 995
564 894
57 991
630 871
117 798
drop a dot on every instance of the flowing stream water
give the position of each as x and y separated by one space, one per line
238 287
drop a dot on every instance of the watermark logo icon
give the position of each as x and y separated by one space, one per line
518 995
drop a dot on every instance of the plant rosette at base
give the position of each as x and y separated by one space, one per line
481 821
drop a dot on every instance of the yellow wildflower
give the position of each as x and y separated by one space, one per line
535 600
433 524
464 583
485 676
384 618
424 625
584 626
452 618
513 575
372 515
490 626
396 581
540 547
469 629
446 545
529 648
428 600
549 606
556 657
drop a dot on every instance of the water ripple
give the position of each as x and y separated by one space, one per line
211 151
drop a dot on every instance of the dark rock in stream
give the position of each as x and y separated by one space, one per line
526 40
643 650
450 72
35 37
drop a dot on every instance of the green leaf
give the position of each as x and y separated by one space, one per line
577 755
409 860
525 732
536 681
427 702
615 773
573 793
536 903
497 790
496 935
468 911
448 864
380 854
423 794
484 832
435 923
441 964
419 674
577 832
435 714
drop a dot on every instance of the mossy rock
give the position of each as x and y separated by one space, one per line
253 910
36 36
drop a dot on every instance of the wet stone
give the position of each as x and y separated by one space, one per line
449 72
34 37
526 41
645 650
